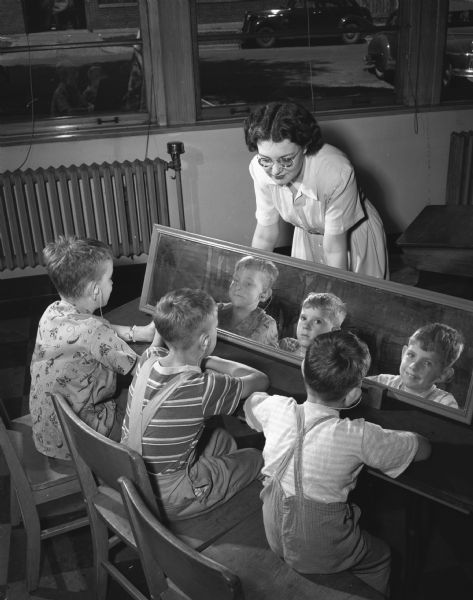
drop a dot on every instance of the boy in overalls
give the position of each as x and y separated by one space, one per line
176 390
312 459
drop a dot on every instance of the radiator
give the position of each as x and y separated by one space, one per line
460 168
117 203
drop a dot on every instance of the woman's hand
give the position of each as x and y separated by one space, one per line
265 236
336 250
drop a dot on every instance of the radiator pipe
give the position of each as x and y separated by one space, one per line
175 149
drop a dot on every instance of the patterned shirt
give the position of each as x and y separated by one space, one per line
289 344
257 326
334 452
172 434
434 394
79 356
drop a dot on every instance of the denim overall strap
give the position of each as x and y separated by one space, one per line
301 433
300 436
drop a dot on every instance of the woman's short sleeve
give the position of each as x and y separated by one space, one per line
266 213
339 188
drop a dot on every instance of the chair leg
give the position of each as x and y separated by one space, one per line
101 551
33 550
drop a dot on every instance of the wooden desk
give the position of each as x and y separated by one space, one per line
444 478
440 240
238 541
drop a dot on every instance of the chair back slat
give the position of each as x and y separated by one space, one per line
105 459
197 576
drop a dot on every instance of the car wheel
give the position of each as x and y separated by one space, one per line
351 34
266 37
447 74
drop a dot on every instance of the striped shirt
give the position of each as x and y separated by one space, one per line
172 434
334 452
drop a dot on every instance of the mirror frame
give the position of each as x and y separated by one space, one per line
463 414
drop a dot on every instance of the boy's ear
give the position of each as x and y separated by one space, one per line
92 289
204 341
404 348
265 295
352 397
445 375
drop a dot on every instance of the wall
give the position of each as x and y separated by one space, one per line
401 161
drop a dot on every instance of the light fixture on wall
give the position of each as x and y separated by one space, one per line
175 149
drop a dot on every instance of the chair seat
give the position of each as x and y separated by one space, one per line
198 532
46 482
264 576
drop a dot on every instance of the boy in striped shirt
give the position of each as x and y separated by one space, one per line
312 459
193 469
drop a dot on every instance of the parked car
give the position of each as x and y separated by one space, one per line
458 60
298 19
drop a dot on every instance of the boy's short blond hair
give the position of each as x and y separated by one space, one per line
72 263
261 265
180 315
445 341
334 308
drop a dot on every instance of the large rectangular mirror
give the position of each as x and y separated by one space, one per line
384 314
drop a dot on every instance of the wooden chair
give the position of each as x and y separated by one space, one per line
100 462
35 485
194 575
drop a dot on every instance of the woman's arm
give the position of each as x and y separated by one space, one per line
265 236
252 379
336 250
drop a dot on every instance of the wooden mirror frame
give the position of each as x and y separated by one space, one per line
385 326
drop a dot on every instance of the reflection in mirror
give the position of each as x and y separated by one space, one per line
251 286
320 313
427 364
382 313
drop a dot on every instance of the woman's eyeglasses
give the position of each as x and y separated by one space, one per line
284 162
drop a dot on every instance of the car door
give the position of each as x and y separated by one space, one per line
296 25
323 15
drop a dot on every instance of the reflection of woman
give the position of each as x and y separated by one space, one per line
312 185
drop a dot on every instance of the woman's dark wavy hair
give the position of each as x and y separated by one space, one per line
278 121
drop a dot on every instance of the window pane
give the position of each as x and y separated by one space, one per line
57 63
457 74
254 51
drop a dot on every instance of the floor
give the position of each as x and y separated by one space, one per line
66 564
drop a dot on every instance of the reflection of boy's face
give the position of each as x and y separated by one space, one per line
420 369
247 288
312 323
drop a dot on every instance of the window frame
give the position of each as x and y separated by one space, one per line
171 74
